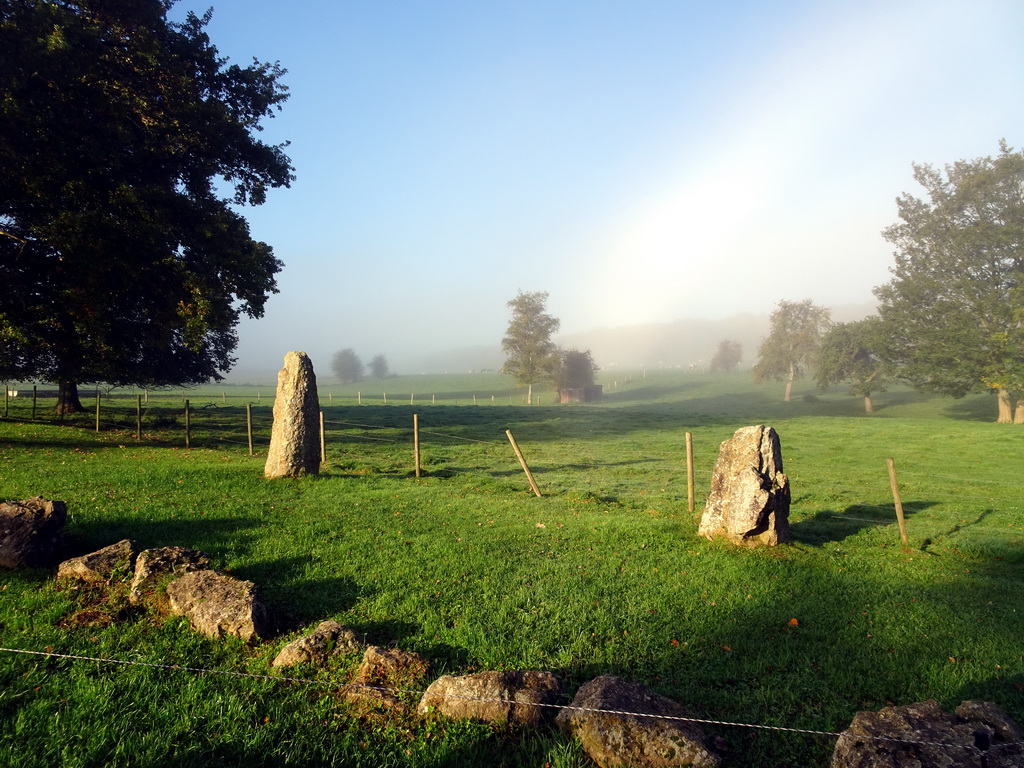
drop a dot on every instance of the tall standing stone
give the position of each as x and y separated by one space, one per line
295 440
749 498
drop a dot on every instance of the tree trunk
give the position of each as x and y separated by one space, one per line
869 407
789 384
67 399
529 394
1018 415
1005 407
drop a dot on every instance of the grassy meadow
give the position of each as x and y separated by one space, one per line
602 574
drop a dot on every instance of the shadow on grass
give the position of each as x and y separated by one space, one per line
830 525
209 534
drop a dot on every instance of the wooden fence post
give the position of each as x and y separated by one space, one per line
34 394
188 426
323 441
416 442
248 424
7 395
896 499
97 410
689 471
522 462
138 417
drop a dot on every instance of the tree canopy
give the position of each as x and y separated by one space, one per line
954 309
727 356
850 352
379 367
576 368
791 346
347 366
531 355
119 131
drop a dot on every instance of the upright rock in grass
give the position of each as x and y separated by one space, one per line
295 440
30 532
749 499
614 739
219 605
921 735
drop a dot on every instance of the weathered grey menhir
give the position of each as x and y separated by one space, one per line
749 499
295 439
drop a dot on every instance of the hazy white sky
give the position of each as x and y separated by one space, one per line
641 161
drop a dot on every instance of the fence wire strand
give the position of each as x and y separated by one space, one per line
561 707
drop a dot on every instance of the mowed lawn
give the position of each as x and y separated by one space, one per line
602 574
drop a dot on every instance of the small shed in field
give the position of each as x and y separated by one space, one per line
589 394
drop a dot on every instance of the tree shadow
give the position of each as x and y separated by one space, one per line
206 533
829 525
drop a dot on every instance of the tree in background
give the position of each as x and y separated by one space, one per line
531 355
575 369
379 367
728 356
850 352
119 260
954 310
792 344
347 366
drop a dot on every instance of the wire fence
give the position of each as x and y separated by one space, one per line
980 747
387 435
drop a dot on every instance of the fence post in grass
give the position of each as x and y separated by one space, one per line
359 398
385 398
522 462
34 395
7 396
188 426
689 471
138 417
248 424
416 442
97 410
896 499
323 441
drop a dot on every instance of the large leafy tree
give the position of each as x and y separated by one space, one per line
347 366
576 368
791 347
954 310
379 367
531 355
727 356
120 131
850 352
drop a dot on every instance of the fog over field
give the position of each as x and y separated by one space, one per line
655 166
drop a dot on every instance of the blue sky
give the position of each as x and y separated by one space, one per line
642 161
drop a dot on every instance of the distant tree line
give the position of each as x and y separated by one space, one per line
532 357
349 368
951 319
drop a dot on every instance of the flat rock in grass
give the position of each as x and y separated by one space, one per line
329 639
295 437
629 739
979 734
748 503
101 565
30 532
515 697
383 672
156 566
217 605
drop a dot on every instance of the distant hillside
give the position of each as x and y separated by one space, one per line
667 345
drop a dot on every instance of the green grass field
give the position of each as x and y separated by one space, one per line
603 574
